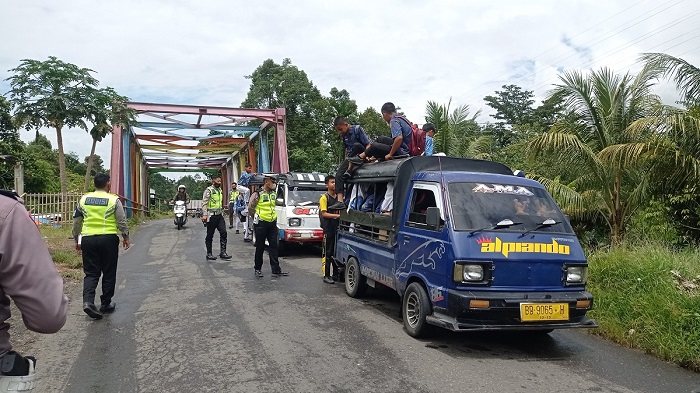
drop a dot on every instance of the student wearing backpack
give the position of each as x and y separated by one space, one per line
386 148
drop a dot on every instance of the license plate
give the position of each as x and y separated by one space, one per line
533 312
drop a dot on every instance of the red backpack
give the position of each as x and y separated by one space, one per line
416 144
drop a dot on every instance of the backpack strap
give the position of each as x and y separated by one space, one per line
408 122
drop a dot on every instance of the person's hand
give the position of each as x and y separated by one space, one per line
126 244
77 247
204 218
388 157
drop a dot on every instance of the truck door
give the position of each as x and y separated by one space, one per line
422 248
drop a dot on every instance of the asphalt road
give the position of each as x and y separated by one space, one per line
183 324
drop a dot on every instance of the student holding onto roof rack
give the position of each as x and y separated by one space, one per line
356 141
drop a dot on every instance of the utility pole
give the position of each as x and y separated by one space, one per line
19 173
19 178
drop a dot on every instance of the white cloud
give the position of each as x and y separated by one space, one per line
405 52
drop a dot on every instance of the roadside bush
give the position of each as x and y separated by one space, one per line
648 297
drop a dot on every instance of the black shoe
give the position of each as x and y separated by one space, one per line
230 227
211 256
225 256
337 206
108 308
92 311
258 273
247 240
357 160
328 280
280 273
237 232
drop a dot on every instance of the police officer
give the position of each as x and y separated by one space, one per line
97 221
262 208
213 218
29 277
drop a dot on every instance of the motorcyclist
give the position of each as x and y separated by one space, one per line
181 195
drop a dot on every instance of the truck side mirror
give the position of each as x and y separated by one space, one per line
432 217
280 202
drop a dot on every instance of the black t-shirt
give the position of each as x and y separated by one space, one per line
329 225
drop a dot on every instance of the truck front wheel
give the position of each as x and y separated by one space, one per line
355 282
416 308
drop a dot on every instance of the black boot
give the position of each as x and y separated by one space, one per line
210 256
223 254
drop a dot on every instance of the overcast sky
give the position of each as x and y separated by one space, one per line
407 52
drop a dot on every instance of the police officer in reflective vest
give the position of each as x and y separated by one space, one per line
213 218
97 221
262 208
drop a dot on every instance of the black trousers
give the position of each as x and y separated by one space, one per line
216 222
329 253
357 148
380 148
231 214
100 254
266 230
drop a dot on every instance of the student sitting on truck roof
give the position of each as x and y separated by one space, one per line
356 141
385 148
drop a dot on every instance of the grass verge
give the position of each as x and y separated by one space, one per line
648 297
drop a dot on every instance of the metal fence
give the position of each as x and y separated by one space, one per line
57 209
51 208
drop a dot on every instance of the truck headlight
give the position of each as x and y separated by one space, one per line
465 271
576 274
295 222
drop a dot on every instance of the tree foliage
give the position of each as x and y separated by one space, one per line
56 94
11 146
308 113
513 105
601 107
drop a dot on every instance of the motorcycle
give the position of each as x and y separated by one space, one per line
180 211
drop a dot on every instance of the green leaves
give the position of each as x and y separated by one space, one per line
56 94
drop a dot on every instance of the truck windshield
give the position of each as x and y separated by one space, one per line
304 196
483 205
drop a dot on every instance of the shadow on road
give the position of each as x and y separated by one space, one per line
520 345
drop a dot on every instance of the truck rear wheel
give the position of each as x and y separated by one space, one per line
416 308
355 282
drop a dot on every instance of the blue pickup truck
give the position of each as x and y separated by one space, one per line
466 244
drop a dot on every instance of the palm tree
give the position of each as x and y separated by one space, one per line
600 108
685 75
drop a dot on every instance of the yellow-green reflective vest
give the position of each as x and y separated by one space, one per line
265 208
233 196
98 213
215 199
